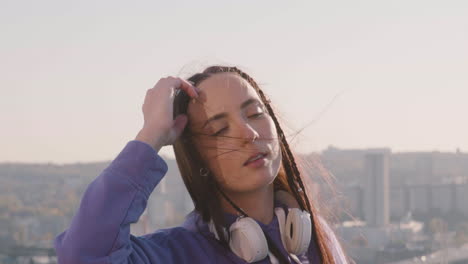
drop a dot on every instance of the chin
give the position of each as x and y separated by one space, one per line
255 181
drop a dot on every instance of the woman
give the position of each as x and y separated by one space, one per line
251 205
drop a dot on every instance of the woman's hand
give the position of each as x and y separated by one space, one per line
159 128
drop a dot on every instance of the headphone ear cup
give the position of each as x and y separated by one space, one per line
298 231
247 240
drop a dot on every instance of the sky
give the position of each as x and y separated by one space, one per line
351 74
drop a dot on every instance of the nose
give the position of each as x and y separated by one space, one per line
247 132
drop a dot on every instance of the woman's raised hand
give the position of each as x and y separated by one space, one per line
159 128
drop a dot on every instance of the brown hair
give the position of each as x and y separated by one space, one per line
202 189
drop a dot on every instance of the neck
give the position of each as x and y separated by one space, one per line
257 204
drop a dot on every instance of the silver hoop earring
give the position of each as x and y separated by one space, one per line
204 172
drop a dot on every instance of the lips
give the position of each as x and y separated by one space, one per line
263 154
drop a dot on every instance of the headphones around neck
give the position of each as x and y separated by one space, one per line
248 241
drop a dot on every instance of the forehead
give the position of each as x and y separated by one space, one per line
221 92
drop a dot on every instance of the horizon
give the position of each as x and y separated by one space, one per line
168 155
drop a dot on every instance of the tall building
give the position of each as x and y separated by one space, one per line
377 205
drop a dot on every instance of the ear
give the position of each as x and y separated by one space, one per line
286 198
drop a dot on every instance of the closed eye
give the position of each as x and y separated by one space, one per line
256 115
219 131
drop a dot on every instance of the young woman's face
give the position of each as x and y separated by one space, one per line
226 117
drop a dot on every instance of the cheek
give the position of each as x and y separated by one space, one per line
218 151
225 172
275 148
220 158
276 163
270 127
227 164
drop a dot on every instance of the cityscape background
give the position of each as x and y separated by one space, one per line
389 206
377 92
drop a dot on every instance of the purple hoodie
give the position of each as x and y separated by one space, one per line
100 230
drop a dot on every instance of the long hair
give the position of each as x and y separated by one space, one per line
204 190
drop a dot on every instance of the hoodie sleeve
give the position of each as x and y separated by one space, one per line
100 230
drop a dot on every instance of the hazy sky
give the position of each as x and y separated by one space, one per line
370 73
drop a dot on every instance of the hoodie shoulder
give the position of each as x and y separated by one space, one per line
192 225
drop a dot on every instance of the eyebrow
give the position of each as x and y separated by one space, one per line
223 115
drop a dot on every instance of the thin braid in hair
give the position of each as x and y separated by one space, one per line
292 174
295 173
293 181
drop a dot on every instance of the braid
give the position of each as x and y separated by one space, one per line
317 232
292 175
285 146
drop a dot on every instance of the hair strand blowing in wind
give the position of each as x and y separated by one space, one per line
202 189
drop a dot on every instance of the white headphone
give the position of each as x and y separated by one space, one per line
248 241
